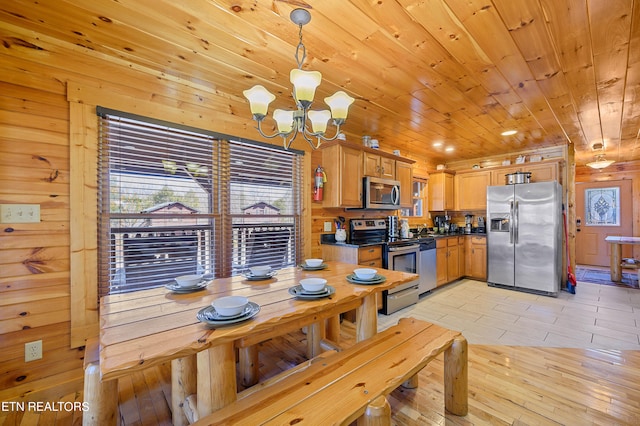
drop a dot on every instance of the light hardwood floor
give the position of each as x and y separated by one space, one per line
591 382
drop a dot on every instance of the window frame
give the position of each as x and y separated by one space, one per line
222 227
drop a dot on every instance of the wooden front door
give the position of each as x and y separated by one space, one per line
597 218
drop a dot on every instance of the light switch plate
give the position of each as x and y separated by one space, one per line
327 227
19 213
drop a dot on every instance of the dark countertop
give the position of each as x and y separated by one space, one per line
330 239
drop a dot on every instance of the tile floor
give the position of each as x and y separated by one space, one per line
597 316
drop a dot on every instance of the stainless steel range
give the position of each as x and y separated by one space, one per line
398 255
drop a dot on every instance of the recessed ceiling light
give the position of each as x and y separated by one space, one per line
436 144
509 132
449 149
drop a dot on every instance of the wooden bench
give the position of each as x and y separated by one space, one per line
341 387
104 395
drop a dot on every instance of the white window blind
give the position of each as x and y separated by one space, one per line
177 200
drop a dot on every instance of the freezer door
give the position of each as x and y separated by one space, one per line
500 255
537 236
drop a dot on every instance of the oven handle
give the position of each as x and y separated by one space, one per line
412 247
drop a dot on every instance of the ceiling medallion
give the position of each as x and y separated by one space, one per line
291 123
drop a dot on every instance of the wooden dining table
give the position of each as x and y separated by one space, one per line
145 328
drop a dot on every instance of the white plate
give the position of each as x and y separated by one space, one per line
313 268
248 275
209 315
176 288
377 279
301 293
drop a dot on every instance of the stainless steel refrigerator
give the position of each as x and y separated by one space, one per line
524 236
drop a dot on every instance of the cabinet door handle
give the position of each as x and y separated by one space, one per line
371 250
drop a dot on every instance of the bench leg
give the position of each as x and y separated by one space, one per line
102 398
249 365
411 383
183 384
216 378
456 388
378 413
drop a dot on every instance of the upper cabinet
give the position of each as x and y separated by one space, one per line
471 190
404 175
540 172
343 167
441 191
378 165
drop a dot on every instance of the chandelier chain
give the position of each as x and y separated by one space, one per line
300 48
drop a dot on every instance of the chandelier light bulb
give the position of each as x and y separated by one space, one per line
259 100
284 120
319 120
339 103
304 85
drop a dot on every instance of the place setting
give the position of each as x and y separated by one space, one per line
188 284
228 310
313 265
259 273
311 289
366 276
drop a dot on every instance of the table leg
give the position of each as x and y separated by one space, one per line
367 318
314 336
249 365
183 384
456 387
616 260
333 329
101 397
216 378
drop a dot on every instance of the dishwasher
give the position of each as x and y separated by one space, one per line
427 264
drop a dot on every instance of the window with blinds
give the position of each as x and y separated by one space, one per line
177 201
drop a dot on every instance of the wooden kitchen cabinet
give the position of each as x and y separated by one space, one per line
404 175
543 172
448 254
471 190
378 165
343 168
441 191
540 172
476 257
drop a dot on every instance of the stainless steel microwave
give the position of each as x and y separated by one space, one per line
382 194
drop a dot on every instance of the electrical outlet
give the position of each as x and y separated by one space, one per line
33 351
19 213
327 227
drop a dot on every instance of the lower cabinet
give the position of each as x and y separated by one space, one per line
459 256
476 257
449 251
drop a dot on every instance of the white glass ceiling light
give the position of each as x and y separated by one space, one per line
600 162
290 123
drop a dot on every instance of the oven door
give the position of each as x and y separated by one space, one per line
404 258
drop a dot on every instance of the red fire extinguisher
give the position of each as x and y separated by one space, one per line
318 183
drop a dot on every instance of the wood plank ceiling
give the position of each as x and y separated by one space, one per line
458 72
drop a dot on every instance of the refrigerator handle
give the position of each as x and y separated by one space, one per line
516 224
511 224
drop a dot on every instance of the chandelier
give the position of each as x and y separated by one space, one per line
292 123
600 163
